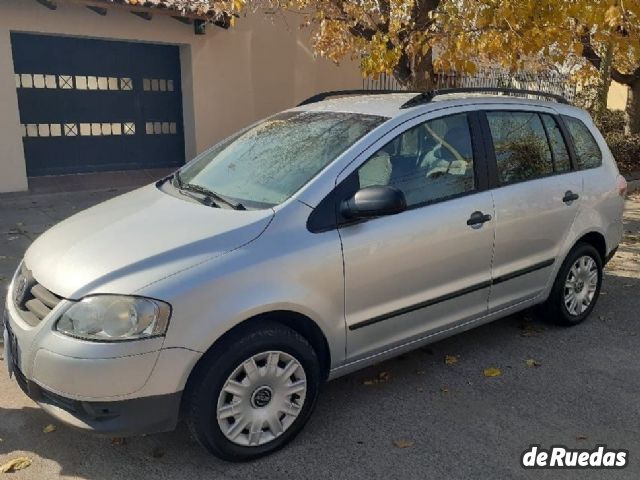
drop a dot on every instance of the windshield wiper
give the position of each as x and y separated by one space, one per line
209 194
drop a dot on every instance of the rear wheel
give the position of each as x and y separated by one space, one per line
577 286
254 393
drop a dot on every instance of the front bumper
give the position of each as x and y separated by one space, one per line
122 389
117 418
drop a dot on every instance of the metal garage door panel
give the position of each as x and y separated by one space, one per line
97 105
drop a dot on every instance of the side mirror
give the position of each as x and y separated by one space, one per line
374 201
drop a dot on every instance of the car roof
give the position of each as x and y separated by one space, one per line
390 104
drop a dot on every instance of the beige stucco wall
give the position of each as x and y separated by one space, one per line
617 99
230 78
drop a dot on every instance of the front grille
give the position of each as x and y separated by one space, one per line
32 299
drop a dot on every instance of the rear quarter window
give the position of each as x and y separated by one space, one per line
588 153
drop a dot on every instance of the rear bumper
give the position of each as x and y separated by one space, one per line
120 418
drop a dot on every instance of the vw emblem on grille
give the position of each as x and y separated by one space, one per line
21 289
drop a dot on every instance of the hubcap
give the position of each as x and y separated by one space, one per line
261 398
580 286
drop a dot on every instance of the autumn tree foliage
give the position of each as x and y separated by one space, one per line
395 37
412 39
525 34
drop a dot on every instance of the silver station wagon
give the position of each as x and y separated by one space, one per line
323 239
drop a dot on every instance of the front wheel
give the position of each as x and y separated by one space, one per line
254 393
577 286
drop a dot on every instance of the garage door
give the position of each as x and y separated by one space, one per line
94 105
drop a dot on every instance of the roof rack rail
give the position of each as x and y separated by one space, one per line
339 93
427 97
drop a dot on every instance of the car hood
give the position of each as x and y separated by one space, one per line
125 243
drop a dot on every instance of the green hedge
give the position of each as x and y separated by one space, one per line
625 147
626 151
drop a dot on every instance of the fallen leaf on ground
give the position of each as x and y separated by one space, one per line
49 428
403 443
492 372
444 389
118 441
420 372
533 363
450 359
382 377
15 464
530 330
581 437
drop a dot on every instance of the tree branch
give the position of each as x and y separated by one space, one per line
594 59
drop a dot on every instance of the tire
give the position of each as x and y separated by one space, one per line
558 307
264 393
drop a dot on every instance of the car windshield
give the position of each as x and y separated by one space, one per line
267 163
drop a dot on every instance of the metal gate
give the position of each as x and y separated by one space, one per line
97 105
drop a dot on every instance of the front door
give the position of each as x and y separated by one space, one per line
429 268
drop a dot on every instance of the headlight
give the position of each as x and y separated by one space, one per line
115 317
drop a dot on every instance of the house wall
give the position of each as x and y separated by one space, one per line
230 78
617 99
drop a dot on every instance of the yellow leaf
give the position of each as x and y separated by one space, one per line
382 377
450 359
492 372
403 443
15 464
533 363
49 428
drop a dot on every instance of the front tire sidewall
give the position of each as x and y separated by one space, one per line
203 415
560 311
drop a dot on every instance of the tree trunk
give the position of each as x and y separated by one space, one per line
604 83
416 73
633 107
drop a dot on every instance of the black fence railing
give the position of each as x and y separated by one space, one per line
550 83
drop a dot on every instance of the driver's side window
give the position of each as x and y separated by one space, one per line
429 162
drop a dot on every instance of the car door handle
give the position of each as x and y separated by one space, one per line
478 218
569 197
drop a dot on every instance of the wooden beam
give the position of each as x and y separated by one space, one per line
199 27
128 8
224 22
48 3
144 15
99 10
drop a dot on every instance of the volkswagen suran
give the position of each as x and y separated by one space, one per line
336 234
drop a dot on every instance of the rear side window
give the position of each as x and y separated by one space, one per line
561 161
521 146
588 152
